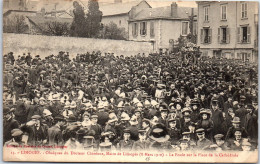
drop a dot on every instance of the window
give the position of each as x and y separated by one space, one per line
205 35
185 28
143 28
152 29
223 35
206 14
244 10
135 29
243 34
223 12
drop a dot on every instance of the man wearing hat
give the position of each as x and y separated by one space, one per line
38 132
133 128
16 138
202 143
217 117
126 143
195 110
164 113
70 137
47 117
55 132
142 143
251 123
236 142
95 127
235 126
103 116
220 144
174 132
9 124
186 135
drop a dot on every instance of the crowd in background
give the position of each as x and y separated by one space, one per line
99 101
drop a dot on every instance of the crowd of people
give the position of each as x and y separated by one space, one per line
99 101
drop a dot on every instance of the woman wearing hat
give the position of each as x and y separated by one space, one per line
206 123
86 122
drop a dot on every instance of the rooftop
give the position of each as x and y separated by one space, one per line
164 12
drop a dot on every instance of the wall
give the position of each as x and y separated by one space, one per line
170 29
47 45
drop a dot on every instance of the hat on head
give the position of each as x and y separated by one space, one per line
159 133
205 111
133 120
186 110
37 117
186 133
46 112
120 104
172 120
16 132
94 116
142 131
126 130
71 118
246 143
238 132
125 117
236 120
139 104
59 118
138 110
218 136
73 104
200 130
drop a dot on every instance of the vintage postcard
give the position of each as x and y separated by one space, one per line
130 81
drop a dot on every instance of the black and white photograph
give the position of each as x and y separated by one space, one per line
130 81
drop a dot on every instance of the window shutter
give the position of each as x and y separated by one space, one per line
136 30
228 36
210 32
133 29
141 25
248 34
245 13
219 35
201 35
145 28
238 35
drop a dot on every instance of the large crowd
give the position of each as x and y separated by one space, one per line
99 101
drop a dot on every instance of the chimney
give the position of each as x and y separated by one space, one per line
43 11
174 9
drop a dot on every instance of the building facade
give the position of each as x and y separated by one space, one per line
228 29
161 26
119 13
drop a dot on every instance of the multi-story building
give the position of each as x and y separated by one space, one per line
118 12
228 29
161 25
